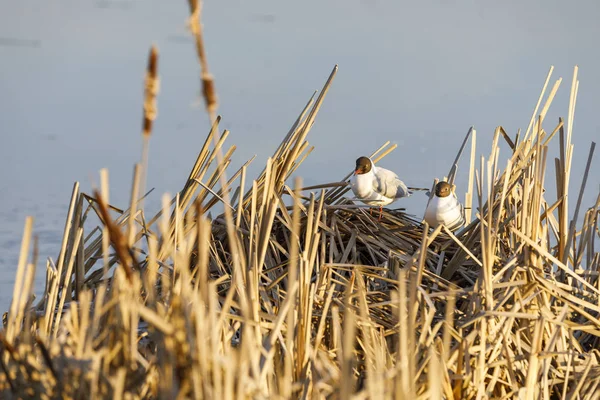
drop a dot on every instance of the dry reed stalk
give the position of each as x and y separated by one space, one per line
208 83
150 112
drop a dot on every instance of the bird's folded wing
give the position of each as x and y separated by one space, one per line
389 185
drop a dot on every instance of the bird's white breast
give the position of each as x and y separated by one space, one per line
363 188
444 210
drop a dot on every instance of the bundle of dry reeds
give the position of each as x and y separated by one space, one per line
317 299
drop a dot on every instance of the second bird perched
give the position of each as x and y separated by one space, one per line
376 186
444 208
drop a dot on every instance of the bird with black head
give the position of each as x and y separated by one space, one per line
376 186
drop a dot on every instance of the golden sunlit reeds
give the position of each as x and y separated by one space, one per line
294 292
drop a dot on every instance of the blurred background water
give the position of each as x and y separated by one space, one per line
415 73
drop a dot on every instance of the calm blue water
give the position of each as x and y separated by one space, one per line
416 73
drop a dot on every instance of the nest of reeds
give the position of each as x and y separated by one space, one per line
297 292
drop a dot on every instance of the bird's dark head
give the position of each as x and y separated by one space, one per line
443 189
363 165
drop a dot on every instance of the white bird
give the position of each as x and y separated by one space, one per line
376 186
444 208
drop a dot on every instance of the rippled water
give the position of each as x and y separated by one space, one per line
416 73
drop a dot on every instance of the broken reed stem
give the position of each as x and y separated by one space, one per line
116 237
16 305
469 193
572 227
454 167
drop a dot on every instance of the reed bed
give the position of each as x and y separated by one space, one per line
295 292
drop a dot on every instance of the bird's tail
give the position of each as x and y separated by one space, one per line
416 189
